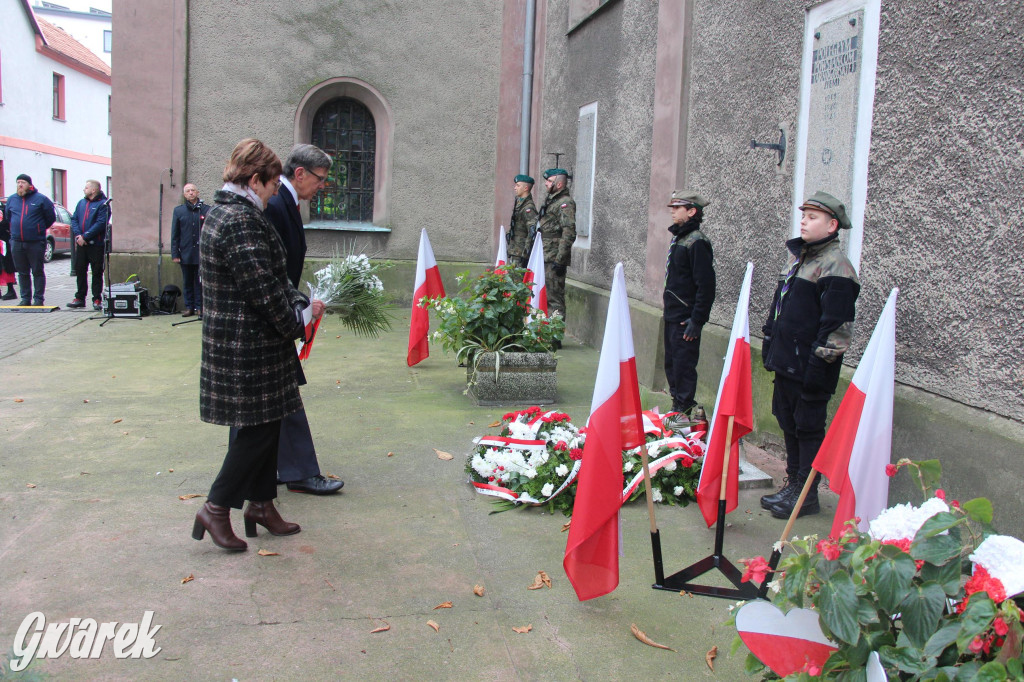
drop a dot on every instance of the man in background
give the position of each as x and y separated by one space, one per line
186 227
30 214
89 230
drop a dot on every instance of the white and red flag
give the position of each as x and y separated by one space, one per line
734 400
535 275
592 551
502 250
428 285
306 344
859 441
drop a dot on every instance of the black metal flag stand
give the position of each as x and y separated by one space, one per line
681 581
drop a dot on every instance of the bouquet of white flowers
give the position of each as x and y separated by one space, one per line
349 287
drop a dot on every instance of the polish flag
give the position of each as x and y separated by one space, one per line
592 551
502 250
306 344
859 441
428 285
535 275
734 400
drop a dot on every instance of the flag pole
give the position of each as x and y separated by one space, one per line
720 527
773 562
659 570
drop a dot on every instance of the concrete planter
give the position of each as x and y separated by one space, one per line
523 379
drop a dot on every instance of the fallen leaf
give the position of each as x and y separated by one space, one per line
118 420
565 526
332 476
437 628
30 485
540 581
187 579
338 381
684 593
125 433
382 628
267 552
472 423
523 630
710 656
338 337
747 511
478 590
21 400
443 605
331 584
494 425
190 496
86 400
170 471
441 454
391 454
639 634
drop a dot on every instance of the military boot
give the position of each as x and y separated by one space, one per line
783 509
767 501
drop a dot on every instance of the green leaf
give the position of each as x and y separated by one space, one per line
856 675
837 607
991 672
976 618
1015 668
894 571
939 550
938 642
921 611
947 575
752 665
907 659
967 671
979 509
936 524
867 613
931 472
794 583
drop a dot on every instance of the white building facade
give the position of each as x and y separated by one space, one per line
54 108
90 23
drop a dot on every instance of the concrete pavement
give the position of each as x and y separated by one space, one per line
101 435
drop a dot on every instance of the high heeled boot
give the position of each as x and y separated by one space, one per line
216 519
266 514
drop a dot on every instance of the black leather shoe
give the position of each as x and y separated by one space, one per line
316 485
9 296
769 501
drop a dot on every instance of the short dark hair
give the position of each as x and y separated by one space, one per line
306 156
251 157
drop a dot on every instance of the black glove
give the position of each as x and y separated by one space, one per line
765 345
692 329
524 262
558 269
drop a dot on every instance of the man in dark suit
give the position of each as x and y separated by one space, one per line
186 226
305 172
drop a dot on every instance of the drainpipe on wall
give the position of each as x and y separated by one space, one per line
524 138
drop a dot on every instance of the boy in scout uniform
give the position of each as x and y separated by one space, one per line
688 297
809 327
524 220
558 232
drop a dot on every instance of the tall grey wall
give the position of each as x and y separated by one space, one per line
610 60
436 64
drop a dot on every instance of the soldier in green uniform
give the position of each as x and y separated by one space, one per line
524 222
558 232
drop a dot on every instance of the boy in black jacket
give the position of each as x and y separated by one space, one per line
689 295
809 327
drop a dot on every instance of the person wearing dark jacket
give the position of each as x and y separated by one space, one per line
252 315
89 230
30 214
809 328
305 172
186 226
688 297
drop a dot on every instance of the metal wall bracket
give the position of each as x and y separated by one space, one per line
780 147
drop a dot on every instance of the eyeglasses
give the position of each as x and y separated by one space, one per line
321 178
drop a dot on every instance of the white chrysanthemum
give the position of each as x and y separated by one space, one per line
628 466
904 520
678 491
520 430
671 466
562 470
656 495
547 489
530 473
1003 557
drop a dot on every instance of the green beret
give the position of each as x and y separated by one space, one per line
685 197
823 201
551 172
524 178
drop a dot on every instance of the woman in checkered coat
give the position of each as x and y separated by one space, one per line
251 317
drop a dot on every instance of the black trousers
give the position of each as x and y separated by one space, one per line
249 471
193 289
90 255
296 454
801 417
681 364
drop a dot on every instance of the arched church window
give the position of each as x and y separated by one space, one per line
345 129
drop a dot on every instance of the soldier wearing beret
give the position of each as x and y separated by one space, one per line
688 297
524 222
809 327
558 232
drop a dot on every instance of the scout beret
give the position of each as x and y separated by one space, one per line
685 197
822 201
25 178
551 172
524 178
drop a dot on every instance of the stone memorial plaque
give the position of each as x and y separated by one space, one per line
834 105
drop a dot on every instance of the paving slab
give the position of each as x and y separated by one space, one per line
107 431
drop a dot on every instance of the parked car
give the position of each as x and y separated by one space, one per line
58 236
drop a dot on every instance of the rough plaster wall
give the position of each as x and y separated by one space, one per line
946 174
946 178
610 59
436 64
